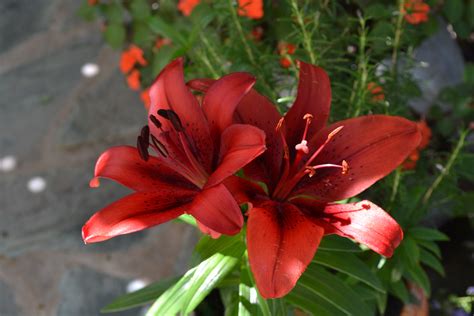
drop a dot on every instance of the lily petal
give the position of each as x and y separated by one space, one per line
256 110
169 91
373 146
240 144
124 165
281 243
136 212
364 222
206 230
222 98
314 97
216 209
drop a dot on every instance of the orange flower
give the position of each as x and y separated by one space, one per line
376 91
133 80
92 2
415 11
285 49
187 6
130 58
410 162
251 8
145 96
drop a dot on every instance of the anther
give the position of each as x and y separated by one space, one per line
159 146
145 133
334 132
155 121
171 116
308 117
345 167
310 171
142 148
303 146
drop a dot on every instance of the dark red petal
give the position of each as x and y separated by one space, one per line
136 212
169 91
372 146
240 144
222 98
124 165
257 110
216 209
364 222
206 230
314 97
281 243
243 190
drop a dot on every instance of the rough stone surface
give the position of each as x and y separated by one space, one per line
55 122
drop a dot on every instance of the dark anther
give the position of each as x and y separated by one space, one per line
173 118
155 121
145 133
159 146
142 148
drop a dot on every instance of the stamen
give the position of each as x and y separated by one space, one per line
279 124
345 167
173 118
334 132
142 148
303 146
328 139
155 121
145 133
159 146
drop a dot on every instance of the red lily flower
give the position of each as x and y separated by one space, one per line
307 167
197 149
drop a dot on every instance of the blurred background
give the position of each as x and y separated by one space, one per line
62 102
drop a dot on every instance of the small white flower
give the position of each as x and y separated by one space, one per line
36 184
90 70
7 163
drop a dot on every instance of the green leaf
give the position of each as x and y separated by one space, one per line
160 60
431 246
377 11
165 29
142 35
139 9
140 297
409 250
114 13
351 265
196 284
400 290
423 233
315 305
333 290
86 11
188 219
453 10
208 246
416 274
337 243
431 261
115 35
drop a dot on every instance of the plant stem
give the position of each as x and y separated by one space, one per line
235 19
306 36
398 35
447 168
208 64
361 82
396 184
212 51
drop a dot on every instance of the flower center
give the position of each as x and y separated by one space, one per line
294 172
179 151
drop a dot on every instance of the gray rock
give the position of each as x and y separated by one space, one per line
85 292
7 301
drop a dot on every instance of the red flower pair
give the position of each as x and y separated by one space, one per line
306 167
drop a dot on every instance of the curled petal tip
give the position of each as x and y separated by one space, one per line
94 182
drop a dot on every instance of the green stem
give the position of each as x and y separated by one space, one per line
398 36
396 184
208 64
447 168
307 43
240 31
362 69
212 51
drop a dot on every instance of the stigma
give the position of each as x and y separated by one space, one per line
303 145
